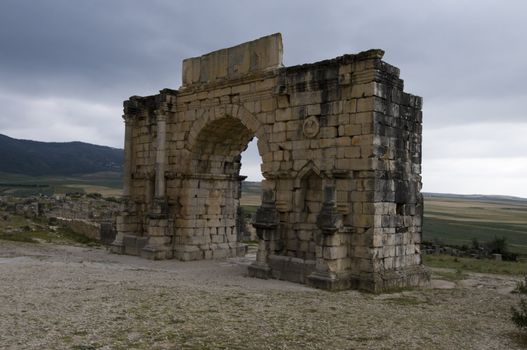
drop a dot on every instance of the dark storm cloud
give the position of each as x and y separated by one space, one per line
448 50
66 66
74 47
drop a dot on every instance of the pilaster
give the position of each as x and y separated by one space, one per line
266 223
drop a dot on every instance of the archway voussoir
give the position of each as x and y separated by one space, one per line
235 112
228 111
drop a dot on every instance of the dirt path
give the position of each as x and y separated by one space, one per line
64 297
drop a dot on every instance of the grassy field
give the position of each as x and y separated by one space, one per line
37 231
449 219
458 221
476 265
108 184
251 197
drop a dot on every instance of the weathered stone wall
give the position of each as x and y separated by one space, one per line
398 202
340 148
86 228
87 215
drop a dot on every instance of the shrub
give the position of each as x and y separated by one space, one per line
498 246
501 246
112 199
521 287
519 315
475 244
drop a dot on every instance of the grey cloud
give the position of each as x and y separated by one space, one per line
444 49
473 176
466 58
478 140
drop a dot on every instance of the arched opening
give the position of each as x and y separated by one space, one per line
214 186
251 162
251 196
218 147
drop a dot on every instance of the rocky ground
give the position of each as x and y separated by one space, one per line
75 297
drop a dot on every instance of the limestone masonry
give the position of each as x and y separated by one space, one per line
340 144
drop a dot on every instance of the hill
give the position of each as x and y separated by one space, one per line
460 220
475 197
35 158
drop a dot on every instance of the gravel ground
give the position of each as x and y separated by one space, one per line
70 297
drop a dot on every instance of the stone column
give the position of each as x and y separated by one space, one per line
158 240
126 221
127 169
161 161
329 221
266 223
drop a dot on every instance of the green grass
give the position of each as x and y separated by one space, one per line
249 209
38 231
458 221
452 276
476 265
18 237
252 188
63 235
109 183
462 232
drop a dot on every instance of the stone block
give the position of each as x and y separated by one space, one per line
254 56
268 105
338 252
220 253
313 109
350 106
339 265
284 114
279 127
133 244
351 130
305 98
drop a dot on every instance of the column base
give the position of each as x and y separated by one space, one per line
117 248
154 253
393 280
259 271
328 281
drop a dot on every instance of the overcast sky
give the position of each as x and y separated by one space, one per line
66 66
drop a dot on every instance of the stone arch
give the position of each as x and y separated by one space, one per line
238 112
210 187
358 153
218 146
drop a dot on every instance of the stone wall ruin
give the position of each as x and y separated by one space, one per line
340 143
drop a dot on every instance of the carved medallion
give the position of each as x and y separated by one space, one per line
311 127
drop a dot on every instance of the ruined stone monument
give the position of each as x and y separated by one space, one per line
340 144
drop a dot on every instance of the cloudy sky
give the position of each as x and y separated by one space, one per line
66 66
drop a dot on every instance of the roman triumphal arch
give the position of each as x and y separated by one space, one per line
340 144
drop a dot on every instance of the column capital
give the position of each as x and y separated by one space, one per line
161 115
128 119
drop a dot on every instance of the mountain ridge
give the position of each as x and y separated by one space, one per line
38 158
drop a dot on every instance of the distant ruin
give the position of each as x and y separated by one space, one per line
340 144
